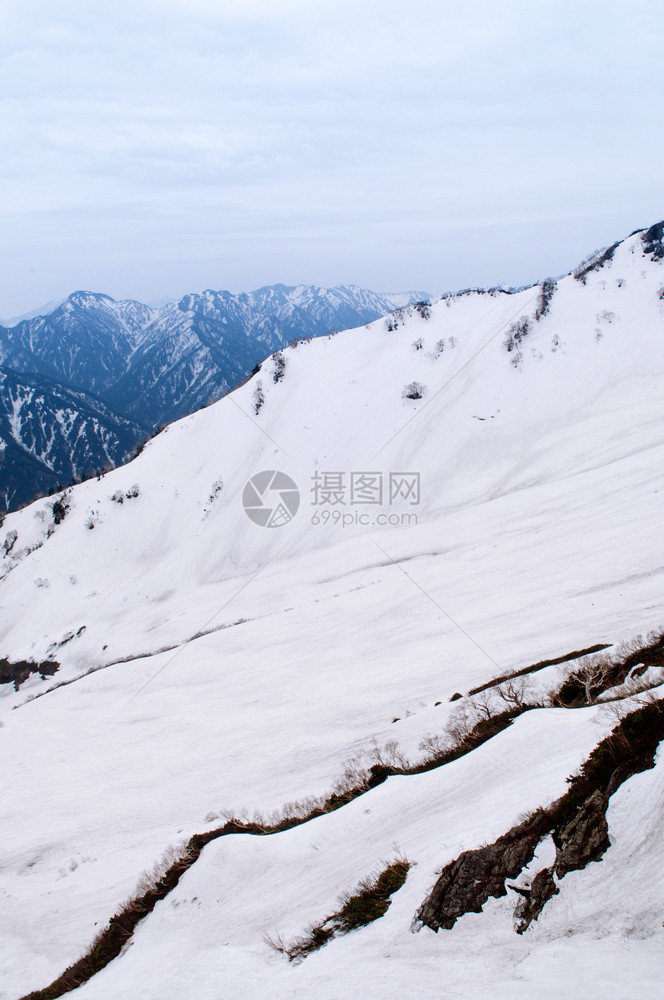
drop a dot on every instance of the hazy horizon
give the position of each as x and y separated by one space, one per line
159 148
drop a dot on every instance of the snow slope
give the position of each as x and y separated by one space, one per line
150 366
257 660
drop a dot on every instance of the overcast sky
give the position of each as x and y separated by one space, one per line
154 147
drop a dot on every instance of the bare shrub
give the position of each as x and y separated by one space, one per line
547 291
461 722
483 706
149 881
10 541
277 943
516 334
217 487
629 647
279 366
388 756
585 682
355 774
594 261
512 692
259 397
414 390
360 773
434 746
635 684
597 674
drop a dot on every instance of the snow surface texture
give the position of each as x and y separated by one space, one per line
258 660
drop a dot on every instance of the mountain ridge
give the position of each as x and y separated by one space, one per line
150 366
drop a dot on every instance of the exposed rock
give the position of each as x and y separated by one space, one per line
466 884
577 823
531 904
522 890
585 837
18 672
653 241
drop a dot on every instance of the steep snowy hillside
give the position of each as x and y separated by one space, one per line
201 346
295 594
152 366
50 434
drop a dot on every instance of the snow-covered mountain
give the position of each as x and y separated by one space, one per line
153 365
50 435
200 347
84 343
301 603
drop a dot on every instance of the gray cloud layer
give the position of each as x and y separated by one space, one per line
153 147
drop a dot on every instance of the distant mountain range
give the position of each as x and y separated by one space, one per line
83 383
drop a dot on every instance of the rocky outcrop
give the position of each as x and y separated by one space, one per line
466 884
585 837
18 672
577 823
534 899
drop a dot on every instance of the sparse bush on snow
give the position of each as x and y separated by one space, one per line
414 390
217 487
513 692
517 332
259 397
594 261
279 366
594 675
10 541
547 291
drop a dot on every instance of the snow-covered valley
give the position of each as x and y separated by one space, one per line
480 488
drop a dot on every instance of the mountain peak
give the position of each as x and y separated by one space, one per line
82 297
